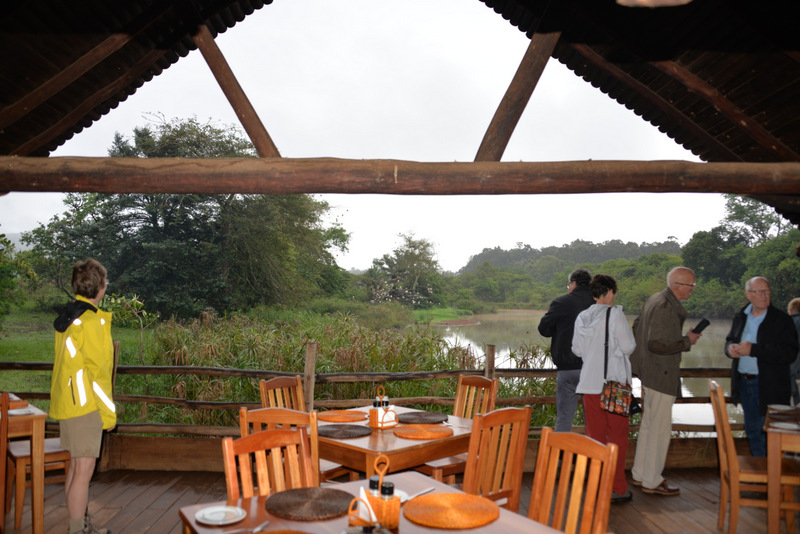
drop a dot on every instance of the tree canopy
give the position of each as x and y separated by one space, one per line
184 253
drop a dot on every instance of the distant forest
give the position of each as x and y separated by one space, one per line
578 252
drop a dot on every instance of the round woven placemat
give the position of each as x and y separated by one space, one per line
409 418
451 510
309 504
342 416
343 431
423 431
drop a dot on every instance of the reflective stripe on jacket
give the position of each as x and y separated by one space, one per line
84 357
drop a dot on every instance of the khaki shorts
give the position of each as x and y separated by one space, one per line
82 435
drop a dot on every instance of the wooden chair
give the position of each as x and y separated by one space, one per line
496 454
3 447
251 421
283 392
56 458
287 392
268 462
739 474
474 395
572 483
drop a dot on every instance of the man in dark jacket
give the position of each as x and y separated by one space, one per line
762 343
559 323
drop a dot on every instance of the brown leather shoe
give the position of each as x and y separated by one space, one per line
663 489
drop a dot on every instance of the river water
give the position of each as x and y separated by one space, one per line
508 330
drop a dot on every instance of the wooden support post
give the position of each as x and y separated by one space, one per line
310 376
489 365
235 94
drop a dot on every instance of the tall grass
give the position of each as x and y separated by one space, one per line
274 339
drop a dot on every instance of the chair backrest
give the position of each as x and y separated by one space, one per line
726 450
496 454
474 395
578 498
3 452
268 462
283 392
259 419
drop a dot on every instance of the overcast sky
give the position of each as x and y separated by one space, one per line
413 80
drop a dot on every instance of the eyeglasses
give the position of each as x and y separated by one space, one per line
689 285
759 291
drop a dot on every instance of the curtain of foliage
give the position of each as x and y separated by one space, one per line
409 275
184 253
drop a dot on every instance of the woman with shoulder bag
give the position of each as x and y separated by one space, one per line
604 340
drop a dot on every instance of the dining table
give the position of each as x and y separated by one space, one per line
782 426
410 482
360 453
28 421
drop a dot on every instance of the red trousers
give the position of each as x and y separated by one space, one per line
607 427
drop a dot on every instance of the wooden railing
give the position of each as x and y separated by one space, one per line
311 379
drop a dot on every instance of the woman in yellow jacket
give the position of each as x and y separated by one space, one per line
81 396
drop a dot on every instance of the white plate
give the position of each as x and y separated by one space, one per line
220 515
779 407
785 426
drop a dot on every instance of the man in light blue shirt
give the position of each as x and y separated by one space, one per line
762 343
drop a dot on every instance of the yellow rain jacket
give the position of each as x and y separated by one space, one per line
83 365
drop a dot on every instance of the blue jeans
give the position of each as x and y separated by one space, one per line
753 420
566 398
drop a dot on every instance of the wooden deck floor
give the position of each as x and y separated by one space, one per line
148 502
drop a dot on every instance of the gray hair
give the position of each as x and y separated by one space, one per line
749 283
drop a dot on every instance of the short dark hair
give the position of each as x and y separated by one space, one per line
88 278
602 284
580 276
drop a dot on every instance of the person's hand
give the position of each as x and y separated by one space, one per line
744 348
693 336
111 429
733 350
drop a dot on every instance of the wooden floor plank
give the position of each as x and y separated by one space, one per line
147 502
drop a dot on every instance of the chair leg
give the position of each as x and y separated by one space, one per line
19 495
788 496
9 484
354 476
724 491
450 480
734 515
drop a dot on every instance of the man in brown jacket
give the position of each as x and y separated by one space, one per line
657 361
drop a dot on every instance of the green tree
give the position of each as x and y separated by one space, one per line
8 274
183 253
755 220
717 254
409 275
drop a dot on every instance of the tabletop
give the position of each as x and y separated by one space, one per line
410 482
783 434
360 453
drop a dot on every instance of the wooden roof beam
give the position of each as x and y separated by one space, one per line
78 113
519 91
592 57
396 177
235 94
735 115
15 111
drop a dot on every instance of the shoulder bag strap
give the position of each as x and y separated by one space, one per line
605 362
